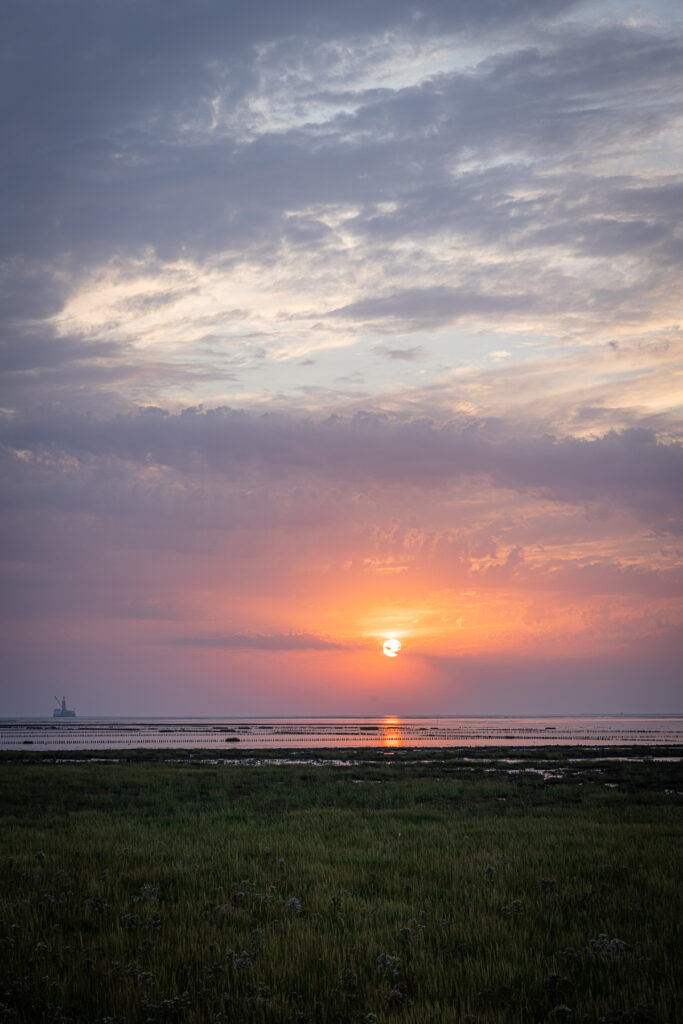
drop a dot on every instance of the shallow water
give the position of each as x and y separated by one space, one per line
307 733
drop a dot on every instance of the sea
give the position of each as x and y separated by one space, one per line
387 732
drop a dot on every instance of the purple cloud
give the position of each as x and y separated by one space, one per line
631 468
264 642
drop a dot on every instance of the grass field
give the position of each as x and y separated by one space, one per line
420 888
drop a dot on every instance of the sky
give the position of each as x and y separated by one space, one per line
325 323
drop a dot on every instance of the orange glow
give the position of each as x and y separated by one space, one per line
333 620
391 735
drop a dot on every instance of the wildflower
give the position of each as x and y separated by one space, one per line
389 964
600 949
348 979
131 922
261 999
48 900
98 904
514 908
239 960
556 981
605 948
398 997
562 1012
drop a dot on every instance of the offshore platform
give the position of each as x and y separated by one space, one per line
62 711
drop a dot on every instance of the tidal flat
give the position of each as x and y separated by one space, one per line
325 887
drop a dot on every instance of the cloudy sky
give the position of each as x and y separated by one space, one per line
326 322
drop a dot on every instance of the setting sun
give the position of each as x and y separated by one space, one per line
391 647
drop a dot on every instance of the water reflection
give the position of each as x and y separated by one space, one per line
391 732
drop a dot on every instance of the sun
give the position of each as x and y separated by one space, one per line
391 647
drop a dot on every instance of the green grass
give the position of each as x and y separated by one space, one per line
405 892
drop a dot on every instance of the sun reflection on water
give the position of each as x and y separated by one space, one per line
391 731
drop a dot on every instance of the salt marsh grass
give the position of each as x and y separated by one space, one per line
158 892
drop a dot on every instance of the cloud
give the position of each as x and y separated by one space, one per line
429 307
407 355
264 642
151 231
46 350
631 468
135 160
